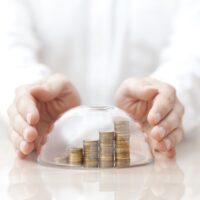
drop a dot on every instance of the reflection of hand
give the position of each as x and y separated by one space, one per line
25 182
35 108
154 102
166 180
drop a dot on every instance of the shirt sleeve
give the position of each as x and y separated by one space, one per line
19 49
180 63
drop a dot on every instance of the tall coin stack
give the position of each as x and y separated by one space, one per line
122 153
90 153
75 156
106 149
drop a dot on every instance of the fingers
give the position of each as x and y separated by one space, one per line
19 125
52 88
26 106
170 123
23 148
170 141
162 105
137 90
58 95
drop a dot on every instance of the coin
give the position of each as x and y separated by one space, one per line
122 152
75 156
91 163
106 137
90 153
106 149
121 122
122 163
106 164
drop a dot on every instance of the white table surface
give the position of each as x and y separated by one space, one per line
162 180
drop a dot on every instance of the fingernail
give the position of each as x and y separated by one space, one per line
29 117
168 144
157 118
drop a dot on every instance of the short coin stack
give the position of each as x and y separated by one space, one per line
75 156
106 149
90 153
122 153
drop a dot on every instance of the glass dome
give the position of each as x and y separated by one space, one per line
95 137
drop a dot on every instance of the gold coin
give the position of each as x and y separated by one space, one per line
105 158
124 150
91 163
107 135
119 136
90 148
122 142
75 150
123 154
106 164
102 145
119 147
106 153
121 122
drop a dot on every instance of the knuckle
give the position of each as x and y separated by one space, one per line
171 89
163 108
170 123
170 100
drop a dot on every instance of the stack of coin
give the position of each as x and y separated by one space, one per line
90 153
75 157
106 150
122 134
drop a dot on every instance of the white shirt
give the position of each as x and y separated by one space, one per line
98 44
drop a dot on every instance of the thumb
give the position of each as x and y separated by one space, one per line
146 93
54 87
42 93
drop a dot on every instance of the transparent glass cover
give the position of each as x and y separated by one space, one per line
95 137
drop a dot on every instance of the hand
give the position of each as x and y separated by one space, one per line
155 103
35 109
